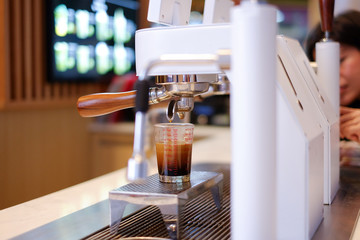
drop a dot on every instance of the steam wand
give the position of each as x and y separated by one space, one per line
137 164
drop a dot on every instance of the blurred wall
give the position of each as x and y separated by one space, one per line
41 151
344 5
44 144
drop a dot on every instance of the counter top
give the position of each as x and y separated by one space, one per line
211 145
341 217
27 216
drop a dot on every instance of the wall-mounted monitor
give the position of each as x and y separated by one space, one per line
90 40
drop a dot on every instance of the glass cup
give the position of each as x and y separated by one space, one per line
173 151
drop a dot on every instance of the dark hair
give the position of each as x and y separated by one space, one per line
345 30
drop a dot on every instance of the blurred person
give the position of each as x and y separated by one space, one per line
346 31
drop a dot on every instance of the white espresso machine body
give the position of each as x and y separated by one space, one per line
300 131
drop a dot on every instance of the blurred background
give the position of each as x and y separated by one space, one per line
54 51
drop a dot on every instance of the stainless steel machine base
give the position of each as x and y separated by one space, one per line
169 198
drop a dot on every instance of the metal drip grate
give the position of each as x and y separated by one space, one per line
201 219
153 185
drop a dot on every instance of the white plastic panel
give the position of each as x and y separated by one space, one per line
169 12
217 11
330 119
151 44
300 156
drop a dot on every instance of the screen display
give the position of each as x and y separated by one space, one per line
90 40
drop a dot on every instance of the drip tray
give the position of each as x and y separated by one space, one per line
170 198
200 217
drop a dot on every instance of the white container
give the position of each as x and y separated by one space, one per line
253 123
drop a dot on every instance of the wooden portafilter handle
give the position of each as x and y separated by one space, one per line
104 103
327 15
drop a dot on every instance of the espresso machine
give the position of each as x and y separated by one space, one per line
281 132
